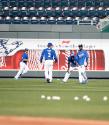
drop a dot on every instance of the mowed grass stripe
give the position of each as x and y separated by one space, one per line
53 89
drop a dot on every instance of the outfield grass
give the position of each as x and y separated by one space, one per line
23 98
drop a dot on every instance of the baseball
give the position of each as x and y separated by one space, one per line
85 97
88 99
105 98
76 98
56 97
42 96
48 97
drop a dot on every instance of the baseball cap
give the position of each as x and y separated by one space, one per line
26 49
80 45
49 44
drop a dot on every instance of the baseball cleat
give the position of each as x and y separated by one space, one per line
48 80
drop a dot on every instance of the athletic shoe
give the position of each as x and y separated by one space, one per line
48 80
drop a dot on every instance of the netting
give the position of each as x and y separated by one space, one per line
34 59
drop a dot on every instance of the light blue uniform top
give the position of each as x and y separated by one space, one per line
82 57
48 54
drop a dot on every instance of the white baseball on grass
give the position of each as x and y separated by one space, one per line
42 96
105 98
76 98
85 97
56 97
48 97
88 99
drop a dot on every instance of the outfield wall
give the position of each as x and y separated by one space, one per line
52 32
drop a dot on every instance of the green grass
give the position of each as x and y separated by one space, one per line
23 98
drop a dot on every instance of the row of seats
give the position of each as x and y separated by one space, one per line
56 12
54 3
50 20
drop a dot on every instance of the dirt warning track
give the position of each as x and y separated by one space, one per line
14 120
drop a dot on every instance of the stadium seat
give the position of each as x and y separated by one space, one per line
34 20
25 20
91 12
47 3
58 11
50 12
8 20
16 20
60 20
67 12
105 3
30 3
21 3
73 3
13 3
51 20
89 3
43 20
4 3
56 3
64 3
41 11
39 3
6 11
1 12
107 11
77 20
98 3
85 21
100 12
83 12
81 3
23 11
1 20
14 12
32 12
69 20
74 11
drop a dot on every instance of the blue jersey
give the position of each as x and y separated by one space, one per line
48 54
82 57
72 61
24 56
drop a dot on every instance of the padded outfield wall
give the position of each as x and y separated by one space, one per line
60 32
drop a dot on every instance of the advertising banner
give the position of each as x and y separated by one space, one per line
11 51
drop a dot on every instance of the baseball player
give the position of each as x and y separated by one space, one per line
82 56
23 64
72 65
49 56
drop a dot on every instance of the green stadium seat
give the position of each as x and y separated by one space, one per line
60 20
8 20
51 20
34 20
25 20
43 20
16 20
50 12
